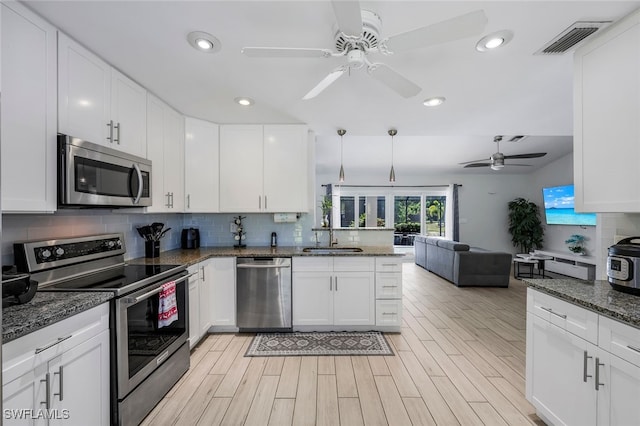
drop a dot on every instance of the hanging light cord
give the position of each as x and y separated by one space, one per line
341 133
392 173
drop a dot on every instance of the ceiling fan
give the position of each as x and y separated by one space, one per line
497 159
358 36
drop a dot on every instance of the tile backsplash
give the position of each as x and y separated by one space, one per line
214 229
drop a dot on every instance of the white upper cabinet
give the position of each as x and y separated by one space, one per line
165 149
285 168
28 114
606 117
241 168
96 102
263 168
129 113
201 173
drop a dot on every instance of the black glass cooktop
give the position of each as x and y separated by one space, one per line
122 279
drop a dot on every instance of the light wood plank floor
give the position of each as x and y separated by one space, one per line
460 359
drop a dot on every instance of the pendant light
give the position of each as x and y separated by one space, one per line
392 173
341 133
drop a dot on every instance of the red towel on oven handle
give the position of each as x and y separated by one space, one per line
168 306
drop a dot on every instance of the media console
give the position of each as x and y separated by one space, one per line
572 265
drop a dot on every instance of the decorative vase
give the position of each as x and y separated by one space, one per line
325 221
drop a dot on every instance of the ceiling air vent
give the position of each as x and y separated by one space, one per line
569 38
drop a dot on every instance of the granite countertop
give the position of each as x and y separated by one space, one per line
47 308
597 296
191 257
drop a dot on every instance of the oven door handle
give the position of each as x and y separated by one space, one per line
134 300
136 200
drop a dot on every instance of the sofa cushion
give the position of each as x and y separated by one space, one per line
453 245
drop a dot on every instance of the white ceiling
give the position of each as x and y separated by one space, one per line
509 91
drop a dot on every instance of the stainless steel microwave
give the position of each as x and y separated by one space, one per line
91 175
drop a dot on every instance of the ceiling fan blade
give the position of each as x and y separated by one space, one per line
285 52
349 16
475 161
390 78
452 29
520 165
326 82
531 155
477 165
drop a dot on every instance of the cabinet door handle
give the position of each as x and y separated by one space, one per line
47 386
52 344
584 371
330 283
389 286
265 203
598 365
389 313
110 125
202 268
168 198
633 348
188 201
117 139
554 313
60 386
172 200
259 202
336 286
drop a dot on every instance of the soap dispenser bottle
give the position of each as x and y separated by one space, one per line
274 239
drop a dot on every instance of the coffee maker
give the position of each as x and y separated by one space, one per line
190 238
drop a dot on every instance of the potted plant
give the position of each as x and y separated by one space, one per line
575 243
525 225
325 205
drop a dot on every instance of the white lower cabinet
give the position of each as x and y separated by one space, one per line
573 381
389 293
59 374
195 333
223 291
329 293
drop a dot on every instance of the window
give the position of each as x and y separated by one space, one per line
434 207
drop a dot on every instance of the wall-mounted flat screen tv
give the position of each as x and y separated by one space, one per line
558 207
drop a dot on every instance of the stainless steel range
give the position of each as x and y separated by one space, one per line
148 355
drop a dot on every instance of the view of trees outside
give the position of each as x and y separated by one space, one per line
434 215
407 212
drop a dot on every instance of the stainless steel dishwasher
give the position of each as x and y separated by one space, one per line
263 294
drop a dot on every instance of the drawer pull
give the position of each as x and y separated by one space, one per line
50 345
389 313
633 348
389 264
554 313
598 365
584 373
389 286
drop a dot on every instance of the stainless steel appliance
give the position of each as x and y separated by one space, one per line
623 265
263 294
91 175
146 358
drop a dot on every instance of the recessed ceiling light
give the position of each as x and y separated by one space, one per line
432 102
494 40
204 42
244 101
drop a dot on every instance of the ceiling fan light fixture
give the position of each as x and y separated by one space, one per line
244 101
434 101
494 40
203 42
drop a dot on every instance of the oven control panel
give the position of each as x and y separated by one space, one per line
76 250
39 255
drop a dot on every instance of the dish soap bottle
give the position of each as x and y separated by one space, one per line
274 239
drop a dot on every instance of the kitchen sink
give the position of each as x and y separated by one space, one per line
332 250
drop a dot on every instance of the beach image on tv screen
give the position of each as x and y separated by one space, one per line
559 207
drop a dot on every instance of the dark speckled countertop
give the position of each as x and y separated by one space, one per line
47 308
597 296
191 257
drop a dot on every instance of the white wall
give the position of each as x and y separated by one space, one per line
560 172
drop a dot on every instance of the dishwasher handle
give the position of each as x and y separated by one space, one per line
259 266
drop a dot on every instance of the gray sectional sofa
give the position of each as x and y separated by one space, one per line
461 264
